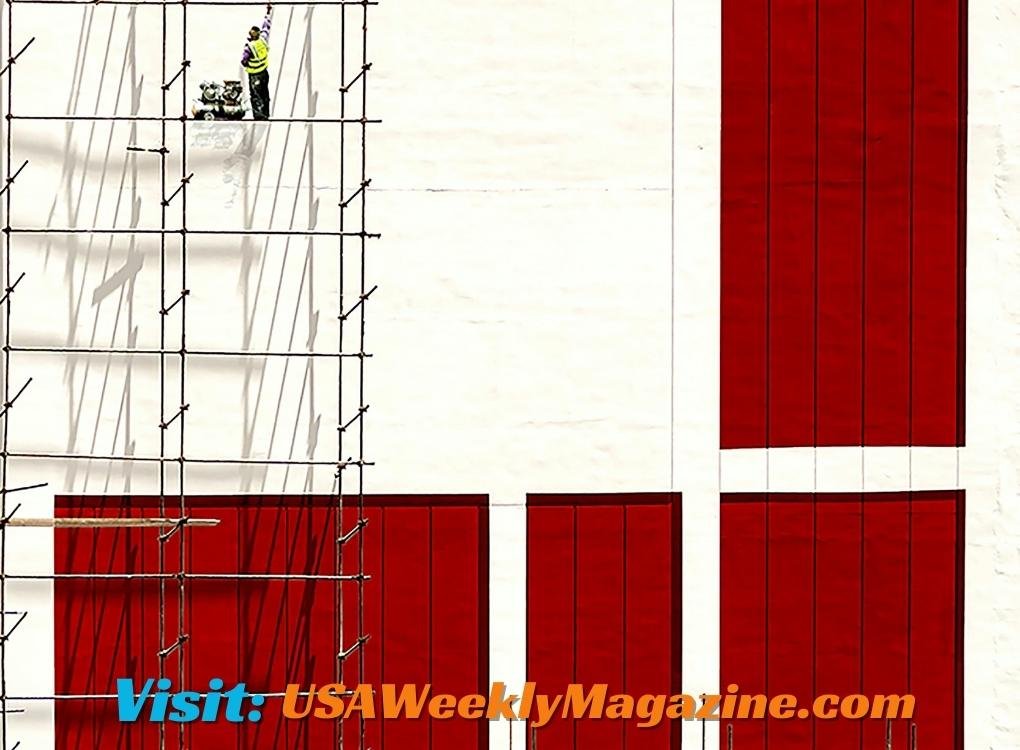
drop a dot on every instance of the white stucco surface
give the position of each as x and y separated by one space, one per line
546 183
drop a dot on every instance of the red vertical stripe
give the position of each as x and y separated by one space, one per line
647 537
887 227
405 585
551 610
603 607
933 602
840 207
744 229
838 615
600 614
792 223
886 606
458 648
936 222
743 608
790 602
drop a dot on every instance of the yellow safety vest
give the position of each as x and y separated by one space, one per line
259 59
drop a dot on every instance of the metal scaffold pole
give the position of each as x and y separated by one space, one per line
351 631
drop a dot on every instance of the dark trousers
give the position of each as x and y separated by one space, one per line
258 88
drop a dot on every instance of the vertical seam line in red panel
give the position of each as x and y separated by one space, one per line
860 675
623 655
910 588
483 616
864 240
573 587
814 609
911 157
190 655
768 238
767 545
676 542
337 592
238 535
961 522
432 634
528 639
237 598
814 396
382 617
92 679
961 227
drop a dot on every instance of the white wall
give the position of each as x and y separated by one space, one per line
546 318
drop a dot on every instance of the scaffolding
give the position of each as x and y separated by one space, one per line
173 519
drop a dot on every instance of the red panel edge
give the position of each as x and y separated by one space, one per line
961 549
835 497
206 501
582 499
961 229
676 626
483 615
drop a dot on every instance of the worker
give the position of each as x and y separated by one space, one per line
255 61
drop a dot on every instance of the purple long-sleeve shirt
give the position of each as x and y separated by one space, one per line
246 55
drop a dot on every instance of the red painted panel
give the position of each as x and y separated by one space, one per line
791 239
603 606
859 594
886 605
838 614
427 558
790 614
887 225
743 608
842 223
269 633
934 601
840 229
600 613
745 216
936 336
552 596
646 629
406 594
459 616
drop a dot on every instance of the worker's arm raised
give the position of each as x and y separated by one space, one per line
267 22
